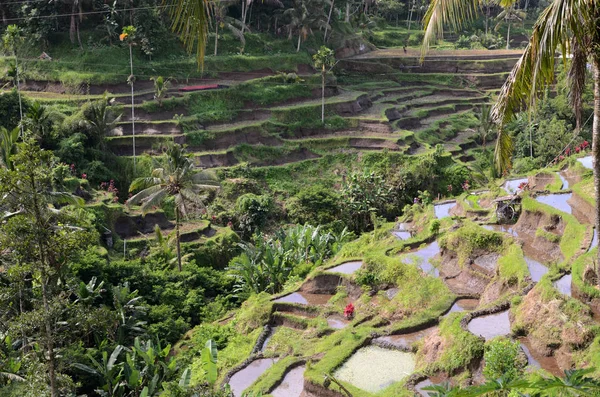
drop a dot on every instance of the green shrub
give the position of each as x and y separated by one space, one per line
502 360
252 212
315 204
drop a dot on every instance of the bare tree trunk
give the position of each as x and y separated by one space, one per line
299 40
596 149
177 237
49 335
328 21
487 17
508 36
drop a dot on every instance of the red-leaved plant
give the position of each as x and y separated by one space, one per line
349 311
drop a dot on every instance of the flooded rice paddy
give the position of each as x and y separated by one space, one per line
292 384
558 201
304 298
373 368
423 256
443 210
346 268
244 378
586 161
463 305
563 285
536 360
490 326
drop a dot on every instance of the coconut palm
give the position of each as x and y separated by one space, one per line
509 15
178 179
572 26
303 17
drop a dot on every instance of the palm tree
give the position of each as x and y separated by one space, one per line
101 121
324 58
572 26
12 38
486 125
303 17
508 15
190 20
161 88
179 180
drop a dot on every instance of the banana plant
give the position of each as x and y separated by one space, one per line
109 370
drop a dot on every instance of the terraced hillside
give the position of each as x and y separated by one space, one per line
428 305
384 100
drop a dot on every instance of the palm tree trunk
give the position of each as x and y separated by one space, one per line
323 95
216 37
328 21
596 148
177 238
132 104
347 19
49 335
508 37
299 39
244 13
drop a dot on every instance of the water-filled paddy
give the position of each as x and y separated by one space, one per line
558 201
346 268
292 384
490 326
563 285
373 368
443 210
244 378
423 258
304 298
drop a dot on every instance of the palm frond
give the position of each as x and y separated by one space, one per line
144 183
503 151
190 20
153 200
455 13
143 195
12 377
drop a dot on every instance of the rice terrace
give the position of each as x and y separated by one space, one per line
299 198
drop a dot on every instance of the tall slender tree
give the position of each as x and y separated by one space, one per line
178 179
324 58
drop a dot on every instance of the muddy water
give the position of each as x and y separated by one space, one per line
337 322
463 305
586 162
304 298
346 268
373 368
512 186
423 258
565 182
491 326
401 235
558 201
536 360
443 210
536 269
292 384
405 341
243 379
563 285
